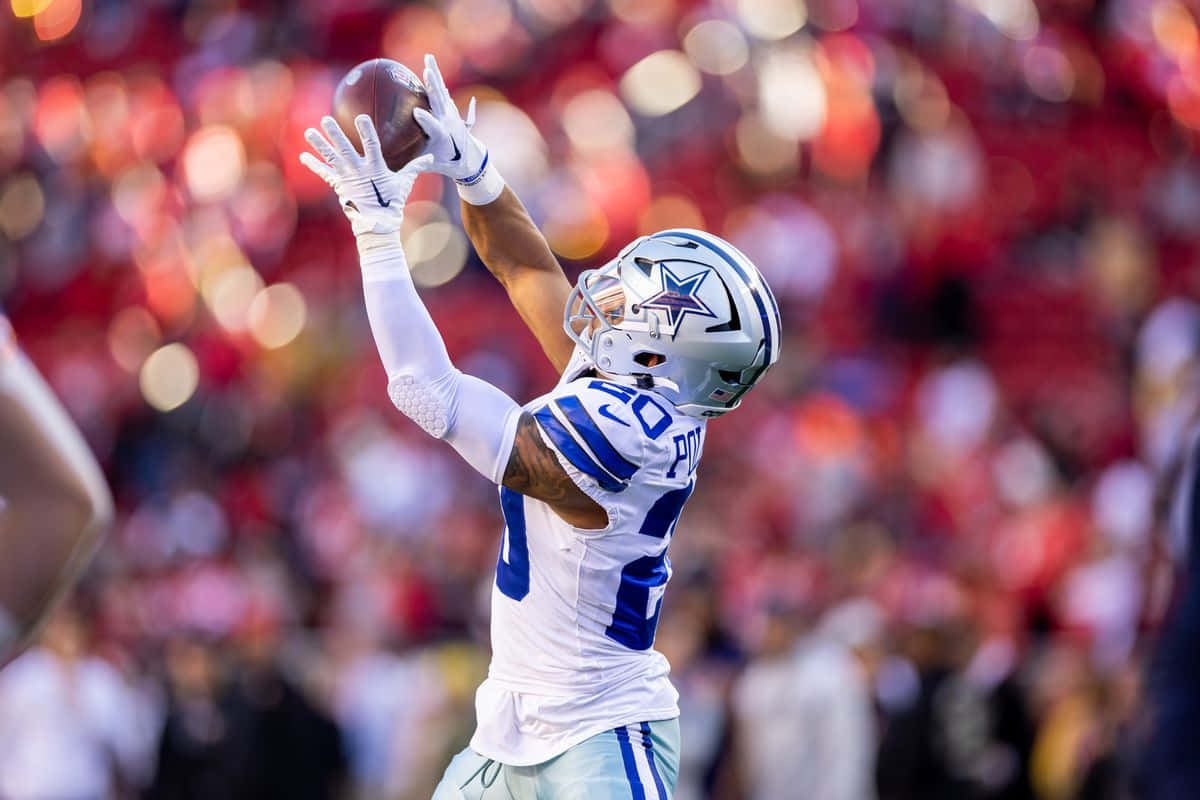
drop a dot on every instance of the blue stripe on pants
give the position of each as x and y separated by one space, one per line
646 742
635 782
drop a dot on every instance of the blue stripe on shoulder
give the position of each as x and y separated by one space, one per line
646 742
573 452
635 782
583 423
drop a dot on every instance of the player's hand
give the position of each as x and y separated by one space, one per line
456 152
372 196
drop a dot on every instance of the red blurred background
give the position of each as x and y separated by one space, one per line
926 548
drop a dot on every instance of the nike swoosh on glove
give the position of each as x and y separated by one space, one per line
372 196
457 154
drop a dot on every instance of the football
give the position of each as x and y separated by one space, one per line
388 92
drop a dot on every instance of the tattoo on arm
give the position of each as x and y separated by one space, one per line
534 470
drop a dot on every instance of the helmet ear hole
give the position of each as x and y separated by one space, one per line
730 376
648 359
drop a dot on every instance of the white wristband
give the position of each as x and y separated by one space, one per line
483 188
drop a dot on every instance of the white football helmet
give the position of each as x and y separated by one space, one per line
682 312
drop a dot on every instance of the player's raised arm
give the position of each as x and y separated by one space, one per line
482 423
504 235
54 504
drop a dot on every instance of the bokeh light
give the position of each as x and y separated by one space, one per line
1184 102
57 20
852 129
920 96
436 248
595 121
1048 73
833 15
1017 19
133 335
263 210
791 244
660 83
138 193
643 13
478 24
554 14
524 159
618 184
28 8
108 106
22 205
772 19
717 47
1175 29
161 260
437 252
575 225
156 120
214 160
792 94
61 122
669 211
230 294
169 377
277 315
413 31
761 150
12 130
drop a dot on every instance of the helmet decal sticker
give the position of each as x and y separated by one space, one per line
678 297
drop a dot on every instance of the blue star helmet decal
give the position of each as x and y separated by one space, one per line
678 297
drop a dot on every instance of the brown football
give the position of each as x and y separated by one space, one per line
387 91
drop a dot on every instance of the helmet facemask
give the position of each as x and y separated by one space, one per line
596 309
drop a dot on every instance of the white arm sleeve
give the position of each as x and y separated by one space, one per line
476 418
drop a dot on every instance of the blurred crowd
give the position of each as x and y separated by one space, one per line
926 558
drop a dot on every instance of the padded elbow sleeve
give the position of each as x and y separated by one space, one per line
474 417
427 403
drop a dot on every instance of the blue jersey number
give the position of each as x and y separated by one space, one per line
653 417
639 601
512 566
643 580
639 597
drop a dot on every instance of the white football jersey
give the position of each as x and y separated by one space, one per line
574 611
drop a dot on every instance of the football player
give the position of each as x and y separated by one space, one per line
592 476
54 503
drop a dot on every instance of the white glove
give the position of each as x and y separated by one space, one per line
372 196
457 154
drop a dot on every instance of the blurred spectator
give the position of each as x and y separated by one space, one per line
804 716
393 709
251 733
704 662
71 725
964 731
198 750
